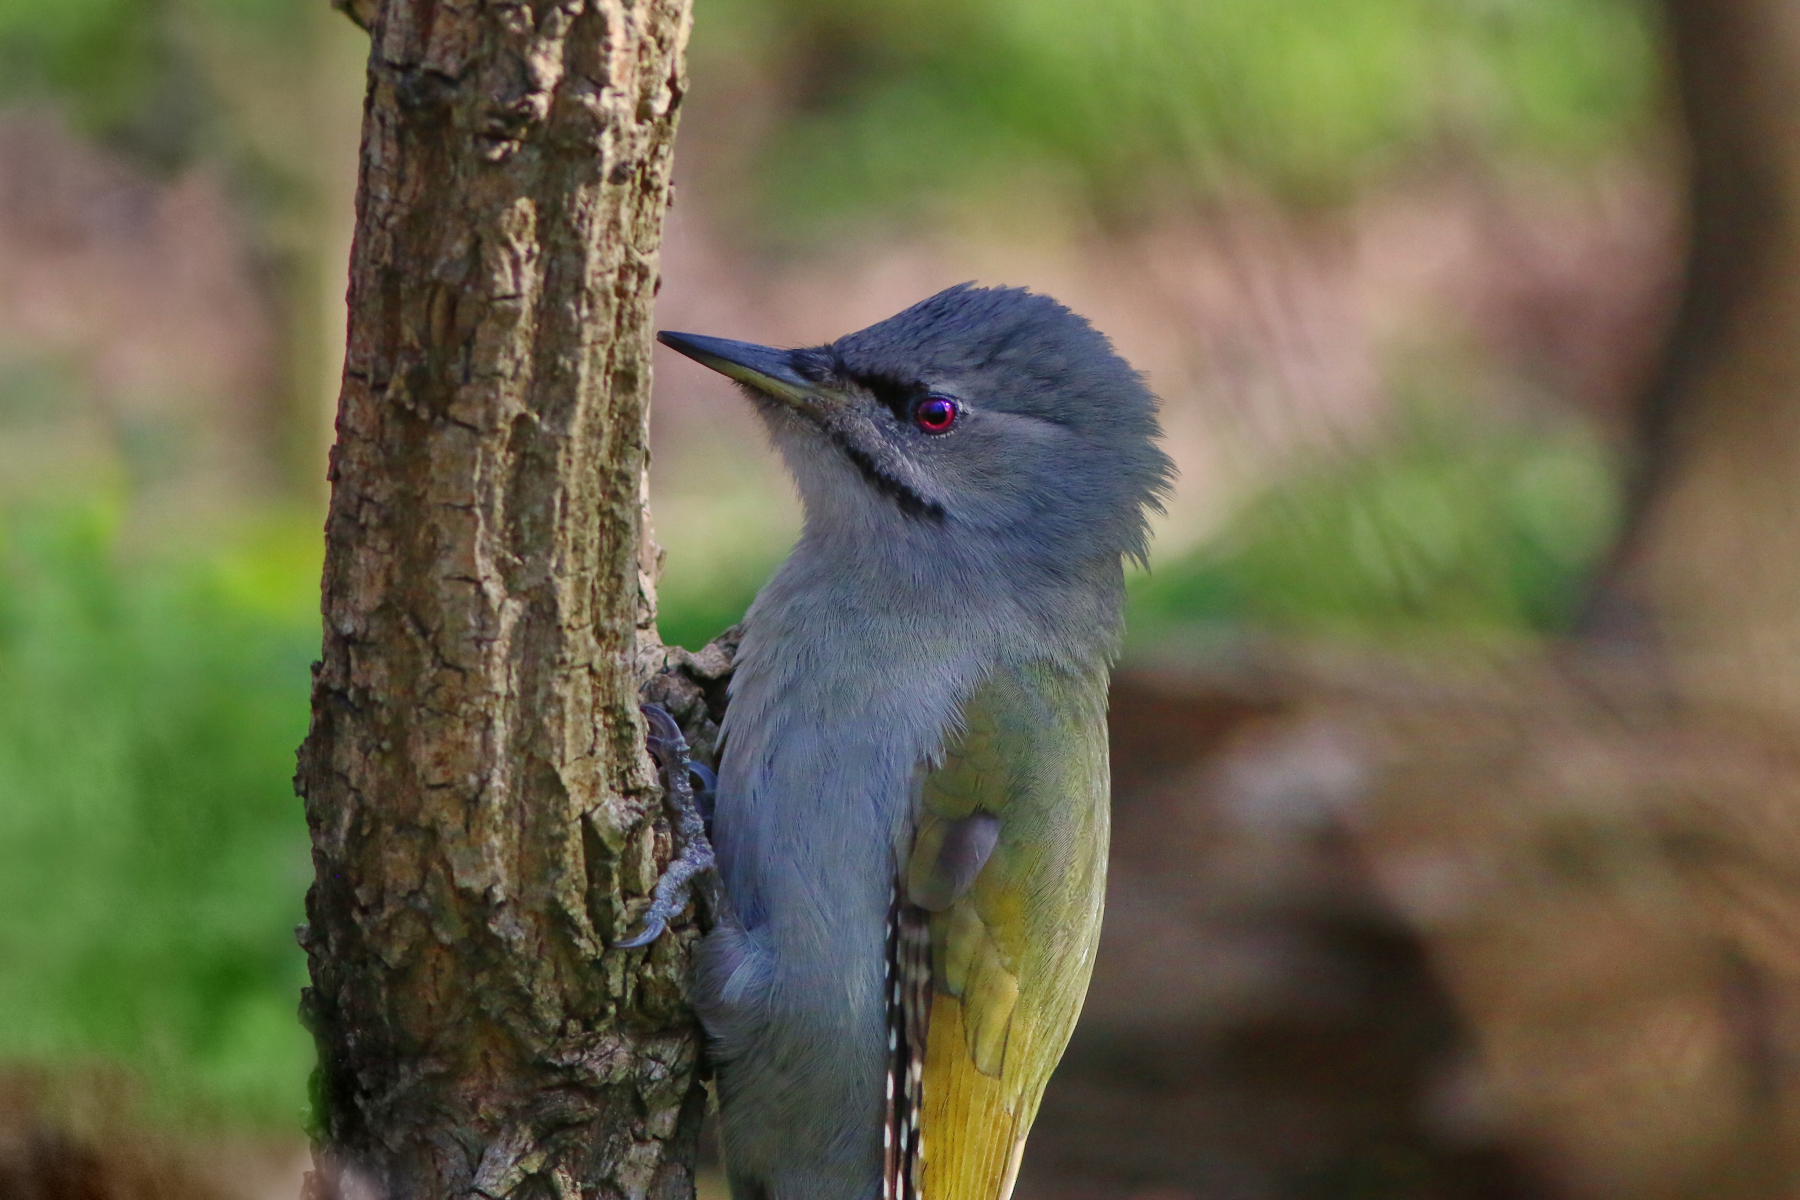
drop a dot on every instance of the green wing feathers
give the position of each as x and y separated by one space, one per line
1012 949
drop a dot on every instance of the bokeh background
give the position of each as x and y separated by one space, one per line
1397 268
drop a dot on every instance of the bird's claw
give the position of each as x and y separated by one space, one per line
654 925
692 869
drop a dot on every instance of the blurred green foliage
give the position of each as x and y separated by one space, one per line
152 854
885 106
99 57
729 539
695 614
130 71
1454 525
1134 102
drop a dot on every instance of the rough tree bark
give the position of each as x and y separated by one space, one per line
484 819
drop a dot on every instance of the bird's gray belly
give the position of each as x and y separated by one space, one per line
816 790
800 1057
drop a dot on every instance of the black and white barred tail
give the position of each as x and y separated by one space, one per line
908 972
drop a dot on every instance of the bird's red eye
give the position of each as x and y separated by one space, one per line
935 414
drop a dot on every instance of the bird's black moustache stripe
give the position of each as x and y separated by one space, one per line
910 502
821 365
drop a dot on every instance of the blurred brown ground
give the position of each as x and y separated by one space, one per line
1380 930
75 1136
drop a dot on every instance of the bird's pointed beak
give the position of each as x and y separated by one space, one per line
768 370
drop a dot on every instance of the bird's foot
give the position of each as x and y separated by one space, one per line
693 869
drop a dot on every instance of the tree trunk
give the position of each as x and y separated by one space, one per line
1713 556
484 819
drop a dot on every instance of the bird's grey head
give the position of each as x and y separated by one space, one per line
987 419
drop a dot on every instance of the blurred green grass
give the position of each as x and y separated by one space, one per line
152 854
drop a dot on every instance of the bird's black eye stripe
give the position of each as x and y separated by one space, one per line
895 394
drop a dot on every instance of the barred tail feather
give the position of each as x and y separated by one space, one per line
908 1017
